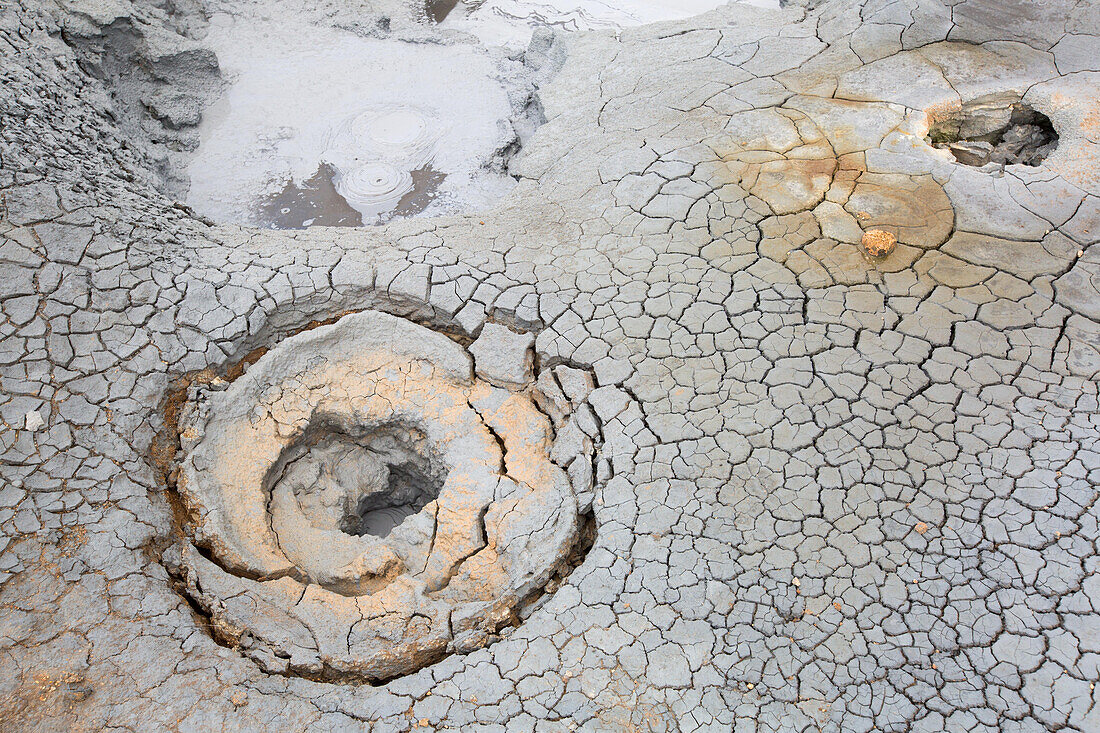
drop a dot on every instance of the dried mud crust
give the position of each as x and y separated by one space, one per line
376 411
848 494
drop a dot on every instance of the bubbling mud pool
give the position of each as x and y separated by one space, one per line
320 126
323 127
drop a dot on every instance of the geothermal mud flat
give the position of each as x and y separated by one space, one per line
378 365
320 125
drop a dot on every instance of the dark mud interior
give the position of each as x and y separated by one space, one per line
362 485
410 490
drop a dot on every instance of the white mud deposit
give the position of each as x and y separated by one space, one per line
375 112
510 22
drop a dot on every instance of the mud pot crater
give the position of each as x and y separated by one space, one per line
370 496
996 132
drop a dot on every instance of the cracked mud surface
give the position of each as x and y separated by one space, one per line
839 493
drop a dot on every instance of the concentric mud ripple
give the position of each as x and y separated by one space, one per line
360 503
401 134
374 188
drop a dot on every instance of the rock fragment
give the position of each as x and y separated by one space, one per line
34 421
879 243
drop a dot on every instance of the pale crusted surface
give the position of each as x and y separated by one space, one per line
847 495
